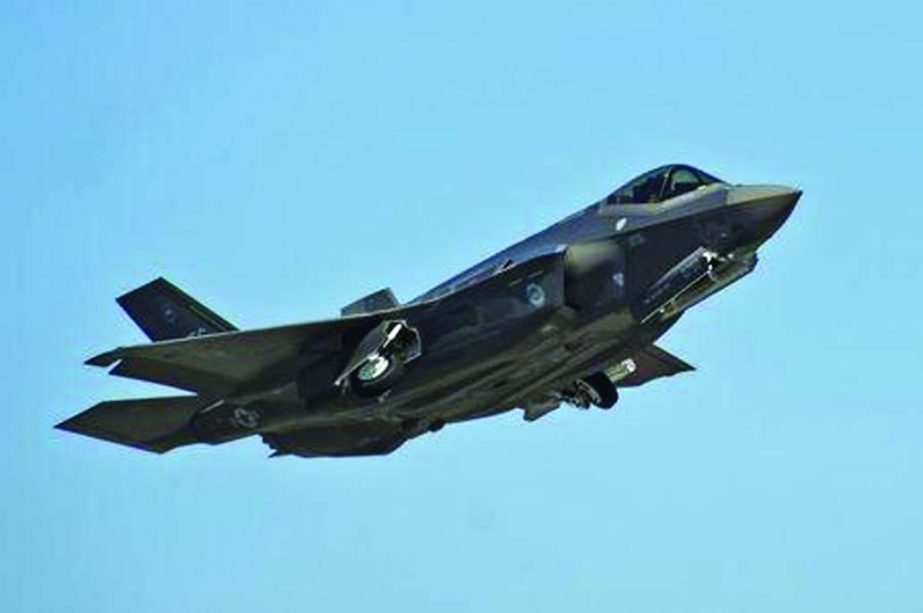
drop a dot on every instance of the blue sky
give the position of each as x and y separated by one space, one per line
278 160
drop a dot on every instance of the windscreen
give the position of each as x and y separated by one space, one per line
661 184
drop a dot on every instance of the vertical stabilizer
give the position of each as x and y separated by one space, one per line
165 312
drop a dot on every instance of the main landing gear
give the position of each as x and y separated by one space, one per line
377 374
379 360
596 390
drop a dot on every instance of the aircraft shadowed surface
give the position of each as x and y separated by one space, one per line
566 316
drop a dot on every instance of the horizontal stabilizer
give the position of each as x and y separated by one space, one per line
165 312
382 300
152 424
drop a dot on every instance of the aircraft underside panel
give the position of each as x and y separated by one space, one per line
357 439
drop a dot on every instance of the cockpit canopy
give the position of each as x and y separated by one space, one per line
661 184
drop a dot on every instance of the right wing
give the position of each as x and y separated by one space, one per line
648 364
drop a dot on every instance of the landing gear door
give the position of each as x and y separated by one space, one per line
392 338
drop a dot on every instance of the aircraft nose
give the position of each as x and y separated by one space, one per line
762 209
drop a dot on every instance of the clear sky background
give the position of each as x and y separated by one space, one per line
279 160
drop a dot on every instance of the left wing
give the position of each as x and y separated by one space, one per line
220 363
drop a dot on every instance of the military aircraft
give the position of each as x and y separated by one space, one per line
567 316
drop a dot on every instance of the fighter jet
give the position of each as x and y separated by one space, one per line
565 317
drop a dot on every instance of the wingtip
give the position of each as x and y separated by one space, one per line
123 298
104 360
71 424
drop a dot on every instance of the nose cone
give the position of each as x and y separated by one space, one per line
762 209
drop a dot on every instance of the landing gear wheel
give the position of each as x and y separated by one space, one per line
600 390
376 375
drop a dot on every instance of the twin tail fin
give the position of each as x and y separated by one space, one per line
165 312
